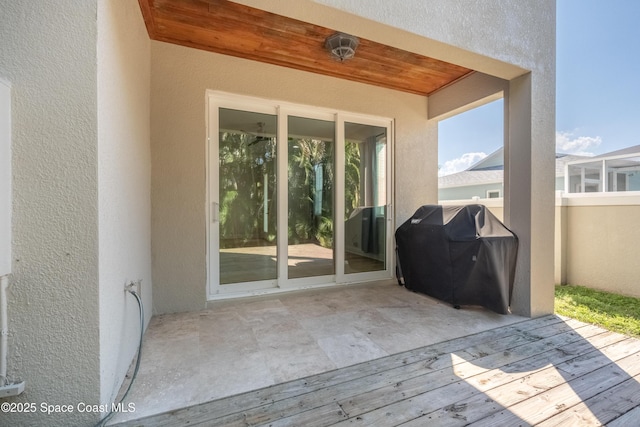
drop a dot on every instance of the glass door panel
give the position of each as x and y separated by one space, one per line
365 196
311 197
246 205
296 197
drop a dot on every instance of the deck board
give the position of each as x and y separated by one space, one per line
546 371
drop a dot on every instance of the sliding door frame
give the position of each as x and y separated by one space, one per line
216 100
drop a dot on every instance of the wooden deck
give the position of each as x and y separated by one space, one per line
546 371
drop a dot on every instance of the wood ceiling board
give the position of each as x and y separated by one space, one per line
233 29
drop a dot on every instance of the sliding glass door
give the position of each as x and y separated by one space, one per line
310 183
296 198
365 196
243 199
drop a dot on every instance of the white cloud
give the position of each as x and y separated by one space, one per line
460 164
567 143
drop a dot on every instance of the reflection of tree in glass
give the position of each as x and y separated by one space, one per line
351 177
311 178
244 161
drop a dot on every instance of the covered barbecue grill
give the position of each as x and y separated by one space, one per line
462 255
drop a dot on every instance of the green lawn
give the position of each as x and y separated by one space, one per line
614 312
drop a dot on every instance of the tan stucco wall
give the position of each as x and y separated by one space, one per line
560 244
48 54
180 77
124 185
601 247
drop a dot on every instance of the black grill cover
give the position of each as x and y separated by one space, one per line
462 255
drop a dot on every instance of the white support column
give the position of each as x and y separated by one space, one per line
529 199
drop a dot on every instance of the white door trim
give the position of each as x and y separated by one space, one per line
216 100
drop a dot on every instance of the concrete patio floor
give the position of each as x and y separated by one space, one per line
246 344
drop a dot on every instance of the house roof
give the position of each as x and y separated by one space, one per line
490 170
234 29
493 161
470 177
629 150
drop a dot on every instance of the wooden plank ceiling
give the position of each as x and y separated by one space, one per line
233 29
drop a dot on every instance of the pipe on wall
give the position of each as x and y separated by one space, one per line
4 329
6 389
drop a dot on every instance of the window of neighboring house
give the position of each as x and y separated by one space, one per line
616 174
493 194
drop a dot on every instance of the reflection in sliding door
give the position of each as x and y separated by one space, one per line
246 206
365 196
297 196
311 199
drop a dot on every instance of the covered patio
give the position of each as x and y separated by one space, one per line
115 175
285 86
251 347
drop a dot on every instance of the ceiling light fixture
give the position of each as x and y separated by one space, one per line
342 46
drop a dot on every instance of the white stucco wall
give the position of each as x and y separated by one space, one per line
503 30
48 53
180 77
124 185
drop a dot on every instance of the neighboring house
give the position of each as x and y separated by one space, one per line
610 172
132 124
484 179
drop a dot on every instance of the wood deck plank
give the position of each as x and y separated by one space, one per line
456 369
542 406
404 403
484 403
629 419
606 406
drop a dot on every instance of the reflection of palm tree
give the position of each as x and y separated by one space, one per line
243 166
312 152
242 169
311 178
351 177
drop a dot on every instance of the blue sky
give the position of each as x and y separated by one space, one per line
597 88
